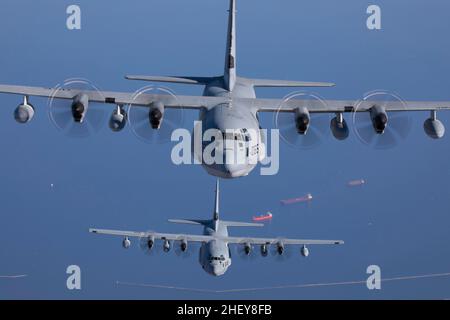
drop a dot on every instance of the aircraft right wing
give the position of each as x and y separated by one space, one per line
117 98
335 106
258 241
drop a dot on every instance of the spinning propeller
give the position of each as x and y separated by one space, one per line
301 129
154 124
380 129
149 245
77 117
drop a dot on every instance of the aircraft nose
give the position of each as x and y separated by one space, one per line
217 270
230 168
235 170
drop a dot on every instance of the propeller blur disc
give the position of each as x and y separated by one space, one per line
398 125
138 117
60 110
287 252
191 247
144 245
318 129
241 251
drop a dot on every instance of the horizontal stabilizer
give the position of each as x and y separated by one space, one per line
175 79
196 222
286 83
240 224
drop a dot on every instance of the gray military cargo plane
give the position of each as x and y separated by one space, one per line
215 254
229 103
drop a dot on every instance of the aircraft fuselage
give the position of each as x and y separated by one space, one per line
215 255
240 157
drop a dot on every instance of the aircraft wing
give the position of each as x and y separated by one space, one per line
257 241
117 98
204 238
334 106
155 235
197 102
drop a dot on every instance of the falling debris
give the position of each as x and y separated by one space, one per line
264 217
305 198
356 183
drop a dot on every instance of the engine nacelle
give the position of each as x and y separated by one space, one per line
264 250
433 127
166 246
280 248
156 114
24 113
80 106
379 119
150 242
118 119
183 245
126 243
302 120
247 248
304 251
339 127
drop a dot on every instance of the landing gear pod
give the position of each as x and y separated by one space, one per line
304 251
126 243
118 119
339 127
434 127
264 250
166 246
24 113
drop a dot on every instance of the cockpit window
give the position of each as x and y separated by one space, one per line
221 258
233 136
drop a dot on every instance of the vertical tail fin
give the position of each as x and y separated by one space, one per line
230 55
216 203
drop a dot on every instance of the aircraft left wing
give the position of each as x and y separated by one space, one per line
117 98
257 241
335 106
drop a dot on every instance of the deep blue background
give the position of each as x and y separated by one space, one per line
399 220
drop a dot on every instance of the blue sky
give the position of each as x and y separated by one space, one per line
399 220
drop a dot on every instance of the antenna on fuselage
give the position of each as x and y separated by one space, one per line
216 202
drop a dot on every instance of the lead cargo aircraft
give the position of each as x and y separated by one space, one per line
215 253
228 103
